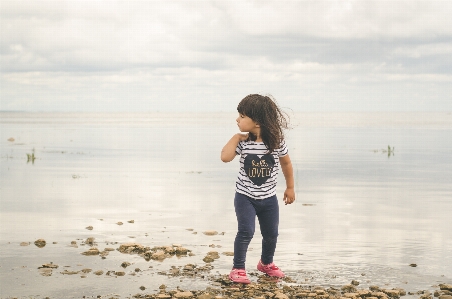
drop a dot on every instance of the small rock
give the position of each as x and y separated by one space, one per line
208 259
89 241
142 288
181 250
379 295
91 251
205 296
363 293
50 266
413 265
11 139
355 283
447 287
281 296
119 223
99 272
159 255
348 288
183 295
66 272
24 243
392 293
228 253
188 267
214 254
45 272
131 221
40 243
89 227
210 233
120 273
132 248
125 264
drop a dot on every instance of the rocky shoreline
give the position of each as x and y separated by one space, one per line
266 288
262 287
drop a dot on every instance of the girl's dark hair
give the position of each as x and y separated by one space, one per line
271 119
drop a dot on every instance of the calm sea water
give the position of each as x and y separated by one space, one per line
361 212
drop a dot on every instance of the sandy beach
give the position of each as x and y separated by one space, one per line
177 271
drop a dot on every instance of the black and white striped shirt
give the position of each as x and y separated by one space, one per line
258 169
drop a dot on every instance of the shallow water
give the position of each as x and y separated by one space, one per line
361 213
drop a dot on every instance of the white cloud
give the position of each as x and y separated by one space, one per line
102 52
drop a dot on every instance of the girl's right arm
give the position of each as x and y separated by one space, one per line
228 152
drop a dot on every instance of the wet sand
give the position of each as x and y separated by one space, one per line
182 273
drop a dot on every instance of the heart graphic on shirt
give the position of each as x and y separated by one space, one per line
258 169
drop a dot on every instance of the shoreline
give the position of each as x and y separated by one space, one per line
216 285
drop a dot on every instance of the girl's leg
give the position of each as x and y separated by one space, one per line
268 216
246 219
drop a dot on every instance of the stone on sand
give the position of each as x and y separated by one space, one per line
40 243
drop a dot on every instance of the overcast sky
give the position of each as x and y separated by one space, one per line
207 55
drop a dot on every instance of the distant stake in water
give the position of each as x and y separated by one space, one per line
31 157
390 151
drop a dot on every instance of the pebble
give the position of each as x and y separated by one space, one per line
183 295
210 233
51 266
447 287
40 243
91 251
89 241
211 256
125 264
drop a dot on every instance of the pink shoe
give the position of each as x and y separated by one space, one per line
270 270
239 275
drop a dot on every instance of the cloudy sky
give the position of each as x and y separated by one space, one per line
207 55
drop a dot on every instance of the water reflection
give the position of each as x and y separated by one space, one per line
357 212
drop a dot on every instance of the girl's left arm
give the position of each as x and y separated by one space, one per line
287 169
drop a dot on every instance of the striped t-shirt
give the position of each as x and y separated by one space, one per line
258 169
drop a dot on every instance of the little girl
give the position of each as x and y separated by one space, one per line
262 149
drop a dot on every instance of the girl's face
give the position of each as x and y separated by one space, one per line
246 124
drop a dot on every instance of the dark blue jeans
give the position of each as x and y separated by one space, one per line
267 212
